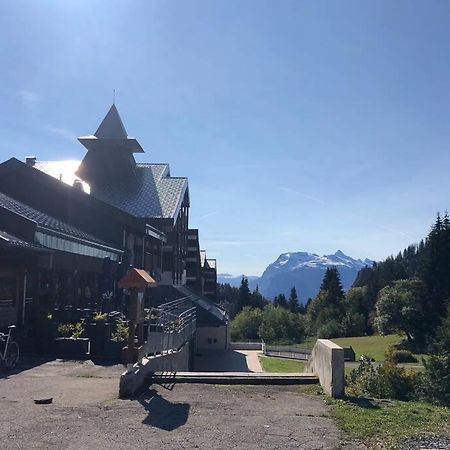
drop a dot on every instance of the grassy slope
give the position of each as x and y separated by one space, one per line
378 427
280 365
375 346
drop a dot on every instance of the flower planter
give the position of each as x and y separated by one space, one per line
113 350
71 348
99 333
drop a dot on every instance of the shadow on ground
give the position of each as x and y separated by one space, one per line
25 363
162 413
220 361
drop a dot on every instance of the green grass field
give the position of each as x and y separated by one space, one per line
281 365
376 346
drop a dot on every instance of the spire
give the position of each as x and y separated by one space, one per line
111 126
109 151
111 134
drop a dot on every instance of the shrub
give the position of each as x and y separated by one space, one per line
385 381
65 330
78 330
121 333
436 379
70 330
99 317
403 356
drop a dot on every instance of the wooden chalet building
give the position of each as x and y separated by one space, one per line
144 191
68 228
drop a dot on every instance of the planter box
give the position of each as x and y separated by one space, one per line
70 348
112 350
99 333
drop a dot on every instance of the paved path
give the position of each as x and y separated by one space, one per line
228 361
86 414
252 360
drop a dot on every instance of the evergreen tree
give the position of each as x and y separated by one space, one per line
244 298
293 301
435 269
257 300
326 311
282 302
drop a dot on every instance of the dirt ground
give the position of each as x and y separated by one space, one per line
86 413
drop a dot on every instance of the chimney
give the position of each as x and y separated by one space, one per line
30 160
78 185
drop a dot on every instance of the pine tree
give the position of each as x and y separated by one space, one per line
280 301
326 311
293 301
435 269
244 297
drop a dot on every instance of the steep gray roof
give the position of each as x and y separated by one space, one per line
8 240
151 193
44 220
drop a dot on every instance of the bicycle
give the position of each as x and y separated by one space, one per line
10 354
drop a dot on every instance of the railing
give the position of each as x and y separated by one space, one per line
171 326
287 351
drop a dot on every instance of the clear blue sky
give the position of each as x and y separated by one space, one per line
302 125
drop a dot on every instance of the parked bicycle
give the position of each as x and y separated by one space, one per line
9 353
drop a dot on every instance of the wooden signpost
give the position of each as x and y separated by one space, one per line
136 281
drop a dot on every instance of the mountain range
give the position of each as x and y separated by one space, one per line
303 270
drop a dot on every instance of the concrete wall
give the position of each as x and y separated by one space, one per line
137 377
211 338
327 362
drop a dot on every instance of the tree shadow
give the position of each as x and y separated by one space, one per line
162 413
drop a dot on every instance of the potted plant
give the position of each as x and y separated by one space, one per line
70 343
113 347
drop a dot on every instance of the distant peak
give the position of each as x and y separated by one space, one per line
340 253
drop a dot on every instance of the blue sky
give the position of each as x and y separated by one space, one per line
302 125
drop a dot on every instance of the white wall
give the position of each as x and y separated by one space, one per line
211 338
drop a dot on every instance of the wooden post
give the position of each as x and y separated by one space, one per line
135 280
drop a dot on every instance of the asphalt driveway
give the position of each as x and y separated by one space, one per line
86 413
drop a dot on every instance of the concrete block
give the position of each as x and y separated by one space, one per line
327 362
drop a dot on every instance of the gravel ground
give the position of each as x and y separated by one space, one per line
426 442
86 414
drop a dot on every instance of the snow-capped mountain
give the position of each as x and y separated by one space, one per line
303 270
235 281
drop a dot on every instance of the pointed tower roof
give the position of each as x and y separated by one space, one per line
111 126
111 134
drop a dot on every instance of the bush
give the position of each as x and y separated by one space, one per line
121 333
99 317
402 356
385 381
436 379
70 330
65 330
